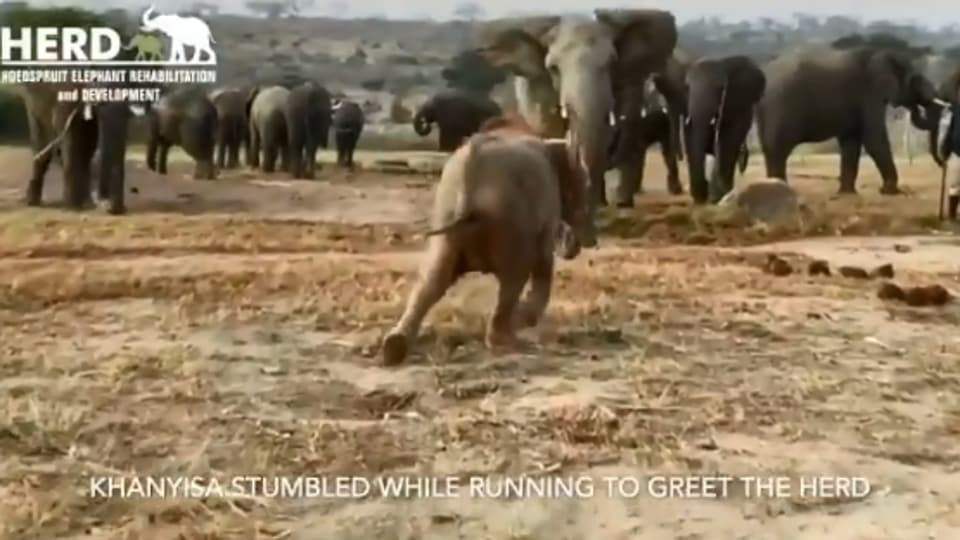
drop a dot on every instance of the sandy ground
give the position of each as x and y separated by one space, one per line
230 328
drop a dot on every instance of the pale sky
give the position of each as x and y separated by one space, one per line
927 12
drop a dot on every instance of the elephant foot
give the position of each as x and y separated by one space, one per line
625 204
675 189
847 191
394 349
506 342
890 189
525 317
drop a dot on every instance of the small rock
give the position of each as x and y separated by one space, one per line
891 291
767 200
902 248
883 271
777 266
853 272
931 295
819 268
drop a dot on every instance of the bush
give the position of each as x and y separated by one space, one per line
398 113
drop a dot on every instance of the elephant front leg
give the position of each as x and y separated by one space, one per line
34 194
437 274
849 164
79 145
877 144
669 153
162 155
631 181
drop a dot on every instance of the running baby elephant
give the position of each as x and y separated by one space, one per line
498 209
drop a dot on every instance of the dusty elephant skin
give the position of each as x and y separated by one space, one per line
62 129
570 68
497 210
268 128
186 118
457 114
231 126
821 93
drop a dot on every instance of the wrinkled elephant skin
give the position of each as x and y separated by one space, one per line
268 128
722 96
307 118
231 126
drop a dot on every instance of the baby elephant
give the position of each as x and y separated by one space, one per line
348 122
503 199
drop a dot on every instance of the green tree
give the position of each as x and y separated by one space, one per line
469 70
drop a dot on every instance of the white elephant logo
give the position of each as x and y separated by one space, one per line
182 31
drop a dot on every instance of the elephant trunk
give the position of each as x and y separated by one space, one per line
701 128
423 122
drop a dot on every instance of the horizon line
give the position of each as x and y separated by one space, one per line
78 63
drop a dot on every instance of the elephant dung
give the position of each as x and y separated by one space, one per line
931 295
777 266
891 291
769 200
819 268
853 272
883 271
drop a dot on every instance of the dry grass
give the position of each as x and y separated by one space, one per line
218 346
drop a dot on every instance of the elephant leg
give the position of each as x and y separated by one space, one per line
535 303
775 161
448 140
253 148
501 327
233 150
437 274
354 138
296 141
269 152
221 148
669 152
850 148
309 158
39 140
162 155
731 141
78 146
153 142
876 142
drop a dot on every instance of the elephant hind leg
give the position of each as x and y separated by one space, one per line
438 273
253 147
79 145
850 148
501 329
535 303
39 139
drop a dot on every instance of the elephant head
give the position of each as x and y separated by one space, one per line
720 91
567 68
902 85
425 117
948 92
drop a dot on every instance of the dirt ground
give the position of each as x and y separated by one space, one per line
230 328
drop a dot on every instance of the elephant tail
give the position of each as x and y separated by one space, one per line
464 215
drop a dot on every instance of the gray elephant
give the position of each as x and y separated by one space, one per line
722 95
231 126
187 118
348 120
568 67
74 131
457 113
268 127
821 93
498 209
948 91
307 117
638 124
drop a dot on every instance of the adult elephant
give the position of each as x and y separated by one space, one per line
268 127
821 93
569 65
186 118
348 120
639 123
231 126
75 131
457 113
307 117
722 95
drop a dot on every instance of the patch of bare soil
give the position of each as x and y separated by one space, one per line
235 333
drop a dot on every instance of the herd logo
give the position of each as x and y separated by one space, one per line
70 46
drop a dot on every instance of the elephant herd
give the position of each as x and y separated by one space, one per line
616 83
211 126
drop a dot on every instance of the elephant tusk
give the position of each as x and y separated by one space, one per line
941 102
87 111
137 110
613 119
643 112
563 112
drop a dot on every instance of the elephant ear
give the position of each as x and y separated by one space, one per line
644 38
518 45
899 82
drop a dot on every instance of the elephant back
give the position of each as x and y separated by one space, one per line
268 101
